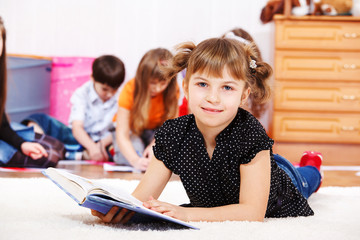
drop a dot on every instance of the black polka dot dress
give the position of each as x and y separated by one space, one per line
216 182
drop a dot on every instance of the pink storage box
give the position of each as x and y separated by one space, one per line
68 73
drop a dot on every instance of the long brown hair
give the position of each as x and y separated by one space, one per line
212 55
2 70
150 68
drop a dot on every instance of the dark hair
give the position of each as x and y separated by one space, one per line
109 70
2 70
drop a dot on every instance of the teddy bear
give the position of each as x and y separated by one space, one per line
302 8
332 7
282 7
308 7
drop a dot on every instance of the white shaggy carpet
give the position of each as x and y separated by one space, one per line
36 208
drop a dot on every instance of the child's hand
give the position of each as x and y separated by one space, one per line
142 163
98 153
34 150
166 209
114 215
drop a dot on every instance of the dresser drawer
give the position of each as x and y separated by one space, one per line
325 35
307 65
325 128
317 96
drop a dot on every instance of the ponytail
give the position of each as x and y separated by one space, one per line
258 76
180 61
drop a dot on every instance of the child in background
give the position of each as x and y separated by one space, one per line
93 106
16 151
221 152
144 104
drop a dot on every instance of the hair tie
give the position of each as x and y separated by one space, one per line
252 64
231 35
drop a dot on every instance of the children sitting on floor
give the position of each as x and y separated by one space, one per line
93 106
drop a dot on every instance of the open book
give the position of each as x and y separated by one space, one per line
101 197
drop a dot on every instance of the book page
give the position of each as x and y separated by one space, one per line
115 193
85 183
68 183
80 187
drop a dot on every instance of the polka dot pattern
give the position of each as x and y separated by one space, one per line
216 182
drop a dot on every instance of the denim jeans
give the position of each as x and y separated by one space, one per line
306 179
53 128
6 150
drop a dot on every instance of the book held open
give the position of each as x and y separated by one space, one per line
102 198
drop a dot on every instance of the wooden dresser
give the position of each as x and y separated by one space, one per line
317 87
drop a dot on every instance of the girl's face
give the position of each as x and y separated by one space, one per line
215 101
156 86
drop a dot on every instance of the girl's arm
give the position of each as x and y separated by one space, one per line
151 185
254 195
153 182
124 142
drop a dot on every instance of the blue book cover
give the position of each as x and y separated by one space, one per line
102 198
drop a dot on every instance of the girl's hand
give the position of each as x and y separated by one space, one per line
166 209
33 150
114 215
141 163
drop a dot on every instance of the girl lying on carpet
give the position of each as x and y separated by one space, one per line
221 152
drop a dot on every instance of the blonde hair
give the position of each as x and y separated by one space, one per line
148 69
212 55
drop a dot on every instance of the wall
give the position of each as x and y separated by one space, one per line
126 29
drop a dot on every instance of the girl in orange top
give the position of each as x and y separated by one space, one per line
144 104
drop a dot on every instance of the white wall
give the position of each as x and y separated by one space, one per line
126 29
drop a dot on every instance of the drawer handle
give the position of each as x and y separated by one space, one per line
349 97
351 35
350 66
349 129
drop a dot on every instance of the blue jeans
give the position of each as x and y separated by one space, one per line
7 151
306 179
52 127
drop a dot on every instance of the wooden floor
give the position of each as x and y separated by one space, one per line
334 155
331 178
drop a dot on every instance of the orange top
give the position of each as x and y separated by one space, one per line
156 111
